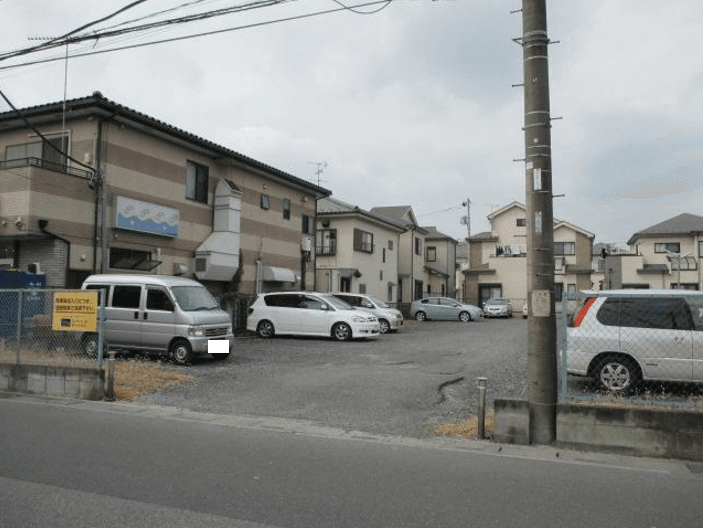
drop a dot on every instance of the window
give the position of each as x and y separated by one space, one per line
286 207
158 299
49 150
383 255
667 247
430 254
564 248
308 224
381 275
571 291
362 288
283 300
326 242
363 241
265 201
558 291
391 245
521 222
196 182
418 246
130 259
126 296
660 313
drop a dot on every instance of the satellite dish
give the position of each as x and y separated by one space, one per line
463 220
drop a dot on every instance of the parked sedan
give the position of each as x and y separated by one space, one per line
444 308
498 308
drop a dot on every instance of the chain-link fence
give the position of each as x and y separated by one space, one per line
51 327
637 346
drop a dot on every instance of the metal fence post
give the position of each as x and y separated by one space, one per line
101 327
481 407
19 326
563 351
110 396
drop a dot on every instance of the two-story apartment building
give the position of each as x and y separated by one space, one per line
497 259
91 186
356 250
665 255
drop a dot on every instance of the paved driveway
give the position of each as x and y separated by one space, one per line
398 384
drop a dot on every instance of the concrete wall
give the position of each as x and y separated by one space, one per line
65 382
663 433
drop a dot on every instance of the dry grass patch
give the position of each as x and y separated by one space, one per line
466 429
134 379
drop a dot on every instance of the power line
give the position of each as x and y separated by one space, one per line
198 35
50 43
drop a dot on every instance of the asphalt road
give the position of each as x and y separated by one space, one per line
399 384
114 465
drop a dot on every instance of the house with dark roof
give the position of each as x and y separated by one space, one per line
356 250
665 255
91 186
498 259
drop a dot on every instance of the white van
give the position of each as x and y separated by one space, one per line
159 314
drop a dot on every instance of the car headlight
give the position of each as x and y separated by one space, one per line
196 331
358 319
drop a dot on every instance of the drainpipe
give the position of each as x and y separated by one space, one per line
42 227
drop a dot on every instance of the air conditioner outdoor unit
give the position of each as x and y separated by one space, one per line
34 268
180 269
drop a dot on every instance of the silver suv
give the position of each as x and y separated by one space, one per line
620 337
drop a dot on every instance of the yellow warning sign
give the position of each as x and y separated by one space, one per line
75 311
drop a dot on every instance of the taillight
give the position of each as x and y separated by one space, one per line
583 312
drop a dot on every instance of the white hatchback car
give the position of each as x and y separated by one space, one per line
619 337
390 319
309 313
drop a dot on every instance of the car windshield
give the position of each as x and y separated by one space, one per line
379 302
337 303
193 298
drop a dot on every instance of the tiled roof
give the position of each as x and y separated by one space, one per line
97 103
684 224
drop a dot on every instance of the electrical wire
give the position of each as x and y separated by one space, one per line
50 43
198 35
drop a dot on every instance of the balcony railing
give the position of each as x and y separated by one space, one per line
327 250
44 164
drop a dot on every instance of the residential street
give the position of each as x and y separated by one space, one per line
101 464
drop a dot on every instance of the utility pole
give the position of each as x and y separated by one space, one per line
542 347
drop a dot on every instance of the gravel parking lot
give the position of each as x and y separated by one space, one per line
399 384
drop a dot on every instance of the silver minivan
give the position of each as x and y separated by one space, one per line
160 314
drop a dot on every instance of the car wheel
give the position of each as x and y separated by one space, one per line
181 352
90 345
616 374
384 326
465 317
341 332
265 329
420 316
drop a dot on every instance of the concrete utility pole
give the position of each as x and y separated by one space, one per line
542 349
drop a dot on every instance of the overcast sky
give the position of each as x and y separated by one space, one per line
412 105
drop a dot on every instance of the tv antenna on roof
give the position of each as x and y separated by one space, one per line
320 167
